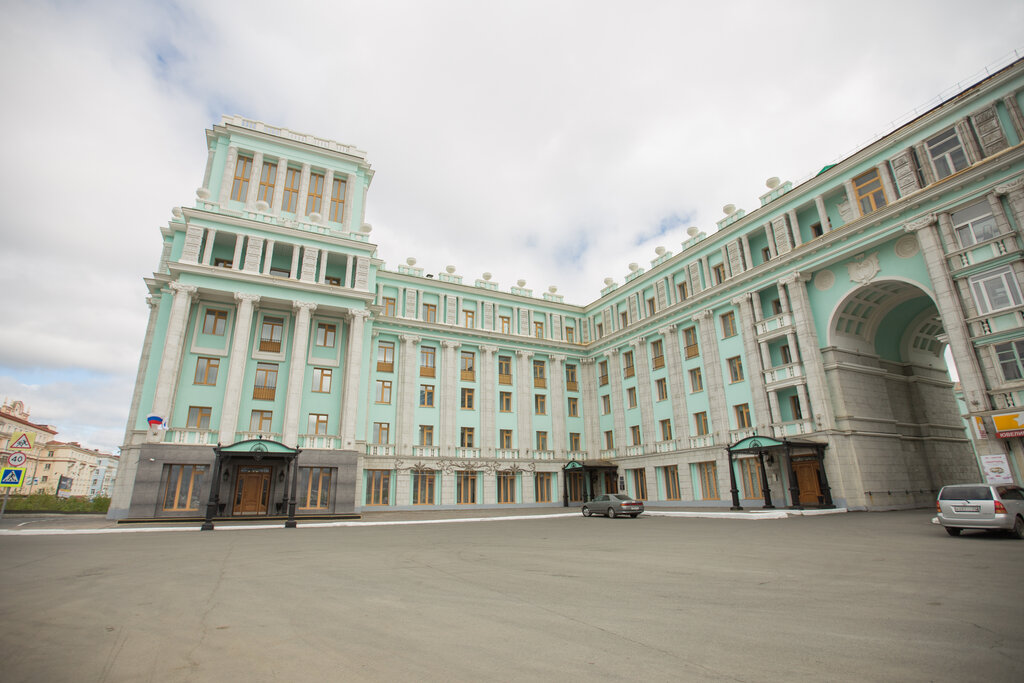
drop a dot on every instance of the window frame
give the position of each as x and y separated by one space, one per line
205 367
318 377
980 291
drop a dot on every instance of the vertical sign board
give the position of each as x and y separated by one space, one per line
21 441
996 469
64 486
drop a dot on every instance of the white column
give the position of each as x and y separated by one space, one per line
448 396
236 260
524 414
353 364
642 363
485 402
591 422
713 376
170 360
268 259
676 382
819 204
559 441
405 395
851 197
300 209
618 405
254 181
890 189
348 217
282 173
211 236
770 235
229 175
294 274
328 192
296 372
236 367
745 241
794 225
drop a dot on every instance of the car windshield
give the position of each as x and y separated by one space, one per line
619 496
966 493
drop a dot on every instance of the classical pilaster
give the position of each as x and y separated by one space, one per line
676 383
486 401
713 372
268 259
1014 192
406 395
559 441
254 181
810 353
236 259
236 367
325 200
794 226
300 209
211 236
353 363
170 360
591 410
851 197
282 175
296 373
618 404
448 396
890 189
761 419
524 414
229 175
819 205
645 401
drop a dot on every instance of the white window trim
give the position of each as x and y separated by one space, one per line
1009 280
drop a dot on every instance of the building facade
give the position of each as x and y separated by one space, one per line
795 355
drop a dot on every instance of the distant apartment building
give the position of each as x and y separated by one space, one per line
794 356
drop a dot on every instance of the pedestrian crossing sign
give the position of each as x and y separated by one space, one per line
21 441
12 476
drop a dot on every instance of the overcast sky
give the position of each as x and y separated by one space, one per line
550 141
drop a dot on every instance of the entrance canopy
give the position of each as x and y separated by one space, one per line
256 449
767 447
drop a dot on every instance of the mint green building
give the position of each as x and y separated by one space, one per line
792 357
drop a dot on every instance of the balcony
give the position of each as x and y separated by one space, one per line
666 446
542 455
635 450
319 442
740 434
506 453
782 373
702 441
427 372
426 451
629 371
776 323
794 428
270 345
199 437
467 375
603 380
264 393
465 452
386 449
572 385
505 379
692 350
608 453
540 383
385 367
658 362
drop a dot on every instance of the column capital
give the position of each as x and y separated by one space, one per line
488 348
449 344
794 277
702 315
667 330
638 342
1015 185
308 306
180 288
587 361
611 352
410 339
251 298
740 300
359 313
921 223
558 357
524 353
153 301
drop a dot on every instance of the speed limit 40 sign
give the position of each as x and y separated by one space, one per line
16 459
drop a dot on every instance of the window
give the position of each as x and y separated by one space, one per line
385 356
315 193
707 475
651 310
947 153
766 252
776 307
290 198
183 484
381 432
570 335
268 178
690 342
542 486
322 380
869 191
735 369
631 397
657 354
538 330
466 437
389 306
423 487
718 272
428 356
206 371
700 423
378 487
260 421
466 402
337 213
198 417
426 435
469 319
465 487
624 319
314 488
316 424
542 441
505 401
215 322
426 396
602 372
639 476
996 290
785 354
742 415
240 185
506 487
684 290
661 388
325 335
505 439
627 364
634 434
609 439
505 324
666 429
539 374
606 404
728 324
750 472
429 313
974 224
574 441
1011 359
794 406
383 394
696 380
816 231
270 334
600 330
265 386
573 407
505 370
467 364
540 404
670 475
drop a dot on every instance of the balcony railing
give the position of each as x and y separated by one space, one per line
783 372
794 428
467 452
572 385
319 441
603 380
427 372
540 382
199 437
264 393
773 324
702 441
270 345
692 350
658 362
426 451
629 371
504 379
467 375
507 453
380 449
385 367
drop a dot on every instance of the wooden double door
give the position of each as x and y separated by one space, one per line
808 481
252 491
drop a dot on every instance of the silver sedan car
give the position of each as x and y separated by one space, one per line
981 506
613 505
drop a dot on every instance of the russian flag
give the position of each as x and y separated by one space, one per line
155 420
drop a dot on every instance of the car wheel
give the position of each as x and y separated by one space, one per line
610 512
1018 527
586 511
953 531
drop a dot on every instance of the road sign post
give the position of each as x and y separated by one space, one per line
10 477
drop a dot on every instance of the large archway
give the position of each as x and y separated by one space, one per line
896 413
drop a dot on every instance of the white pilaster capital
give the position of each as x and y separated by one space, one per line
180 288
307 306
587 361
667 330
359 313
410 339
794 277
741 300
251 298
702 315
1015 185
523 353
557 357
488 349
921 223
611 352
449 344
153 301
